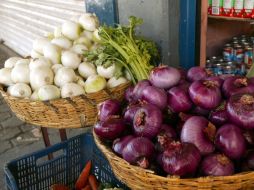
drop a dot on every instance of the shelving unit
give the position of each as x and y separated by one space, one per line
217 30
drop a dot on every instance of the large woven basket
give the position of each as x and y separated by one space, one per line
79 111
138 178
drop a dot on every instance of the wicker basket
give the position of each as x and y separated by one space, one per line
138 178
79 111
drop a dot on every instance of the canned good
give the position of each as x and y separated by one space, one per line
217 8
238 54
248 56
229 69
248 9
228 53
228 7
235 38
218 69
243 70
238 8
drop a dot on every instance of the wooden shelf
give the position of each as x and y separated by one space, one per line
231 18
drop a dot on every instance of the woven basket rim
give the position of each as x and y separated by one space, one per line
111 156
5 94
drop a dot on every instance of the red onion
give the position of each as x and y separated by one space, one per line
179 100
164 77
205 94
230 140
108 108
109 129
219 115
138 89
155 96
236 85
240 108
196 73
147 121
250 160
217 165
181 159
128 94
216 79
166 135
200 132
120 143
139 151
200 111
130 112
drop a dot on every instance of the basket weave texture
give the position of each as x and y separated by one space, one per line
75 112
139 178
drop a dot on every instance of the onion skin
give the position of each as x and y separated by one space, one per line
138 89
155 96
230 141
216 79
198 131
139 151
205 94
217 165
109 129
236 85
164 77
179 100
147 121
128 94
130 112
108 108
240 109
166 135
181 159
219 116
196 73
120 143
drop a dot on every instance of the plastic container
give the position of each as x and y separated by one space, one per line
36 172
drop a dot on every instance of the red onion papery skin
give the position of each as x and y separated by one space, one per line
205 94
179 100
198 131
240 109
108 108
166 135
217 165
181 159
196 73
155 96
138 89
128 94
249 136
250 160
200 111
147 121
109 129
230 141
139 151
219 116
120 143
130 112
216 79
164 77
236 85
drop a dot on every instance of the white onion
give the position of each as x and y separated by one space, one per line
75 18
96 36
89 21
56 67
106 72
114 82
41 76
71 89
34 54
58 32
23 61
52 53
39 62
81 81
20 74
65 75
11 62
5 76
48 92
71 30
95 83
62 42
70 59
35 96
87 34
86 69
79 49
20 90
39 44
83 40
49 35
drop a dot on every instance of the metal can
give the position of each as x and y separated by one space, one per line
246 44
238 8
228 8
229 69
238 54
228 53
235 38
248 8
248 55
218 69
242 69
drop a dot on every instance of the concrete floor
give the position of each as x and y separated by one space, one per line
16 137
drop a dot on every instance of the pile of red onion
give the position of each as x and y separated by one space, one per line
188 124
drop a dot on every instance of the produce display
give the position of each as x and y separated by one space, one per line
80 57
187 124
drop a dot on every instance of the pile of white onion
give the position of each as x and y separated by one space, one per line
57 67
